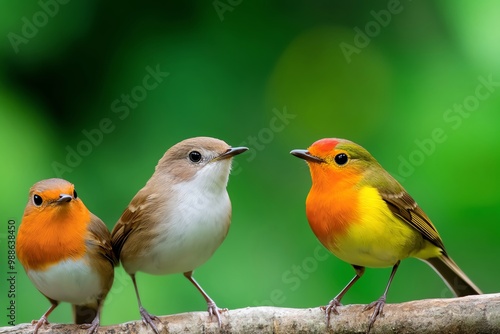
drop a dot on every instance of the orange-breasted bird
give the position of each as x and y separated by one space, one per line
361 214
180 217
66 251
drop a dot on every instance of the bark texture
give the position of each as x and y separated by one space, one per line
472 314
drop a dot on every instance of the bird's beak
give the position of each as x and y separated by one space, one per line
63 198
304 154
231 152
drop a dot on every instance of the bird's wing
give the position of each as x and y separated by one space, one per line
404 206
99 240
132 219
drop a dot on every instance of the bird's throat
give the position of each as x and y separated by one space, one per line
331 208
53 237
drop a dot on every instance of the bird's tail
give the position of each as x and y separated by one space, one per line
84 314
455 278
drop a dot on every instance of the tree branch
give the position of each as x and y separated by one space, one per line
472 314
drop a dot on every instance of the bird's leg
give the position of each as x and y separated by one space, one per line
43 319
378 305
213 310
147 318
335 302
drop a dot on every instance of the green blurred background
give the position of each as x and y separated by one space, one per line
273 76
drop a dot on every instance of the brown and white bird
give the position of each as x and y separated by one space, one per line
66 251
181 216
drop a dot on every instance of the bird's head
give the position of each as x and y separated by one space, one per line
202 160
336 160
51 199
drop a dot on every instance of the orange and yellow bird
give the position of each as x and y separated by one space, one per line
66 251
361 214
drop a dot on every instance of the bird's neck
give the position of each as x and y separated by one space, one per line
331 205
211 181
54 235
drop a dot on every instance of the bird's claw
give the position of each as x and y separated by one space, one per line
213 310
148 319
378 307
39 323
92 327
331 308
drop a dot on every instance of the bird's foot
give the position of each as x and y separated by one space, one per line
92 327
378 307
148 319
331 308
39 323
213 310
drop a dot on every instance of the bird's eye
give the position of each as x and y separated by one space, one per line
75 195
195 156
341 159
37 200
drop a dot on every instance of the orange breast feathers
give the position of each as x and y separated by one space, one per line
332 203
52 234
